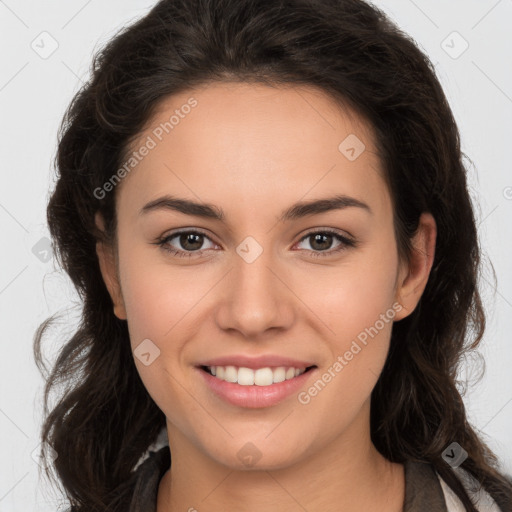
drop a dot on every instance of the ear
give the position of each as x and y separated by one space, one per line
107 261
414 274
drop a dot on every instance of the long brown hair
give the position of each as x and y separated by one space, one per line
104 420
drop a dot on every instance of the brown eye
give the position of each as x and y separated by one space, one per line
189 243
322 241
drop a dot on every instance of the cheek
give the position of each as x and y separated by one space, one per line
158 297
355 301
159 306
350 295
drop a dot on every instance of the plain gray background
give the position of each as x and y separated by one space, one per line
46 53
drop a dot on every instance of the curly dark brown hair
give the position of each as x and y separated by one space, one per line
105 419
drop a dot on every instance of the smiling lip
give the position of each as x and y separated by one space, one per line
254 363
254 396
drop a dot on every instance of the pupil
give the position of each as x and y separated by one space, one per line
319 237
184 240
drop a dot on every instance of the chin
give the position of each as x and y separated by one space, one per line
254 456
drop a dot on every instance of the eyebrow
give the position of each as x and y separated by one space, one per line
294 212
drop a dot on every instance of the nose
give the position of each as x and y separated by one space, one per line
255 298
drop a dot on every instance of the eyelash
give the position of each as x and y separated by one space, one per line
345 243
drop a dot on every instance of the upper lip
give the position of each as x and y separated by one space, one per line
256 362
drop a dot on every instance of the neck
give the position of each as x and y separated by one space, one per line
348 474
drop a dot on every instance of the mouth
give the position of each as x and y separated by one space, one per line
265 376
255 388
255 381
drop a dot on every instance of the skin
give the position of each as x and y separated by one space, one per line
253 150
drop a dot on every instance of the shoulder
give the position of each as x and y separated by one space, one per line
479 496
425 489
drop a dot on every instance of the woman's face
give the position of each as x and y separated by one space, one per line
264 280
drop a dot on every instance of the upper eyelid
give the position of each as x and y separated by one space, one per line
187 230
335 231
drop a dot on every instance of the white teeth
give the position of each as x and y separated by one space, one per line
260 377
231 374
263 377
279 374
245 377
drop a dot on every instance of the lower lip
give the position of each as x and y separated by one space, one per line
254 396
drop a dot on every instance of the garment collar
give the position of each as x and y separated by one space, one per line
423 491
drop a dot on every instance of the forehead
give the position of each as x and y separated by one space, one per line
239 142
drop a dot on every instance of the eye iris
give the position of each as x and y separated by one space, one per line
319 237
192 238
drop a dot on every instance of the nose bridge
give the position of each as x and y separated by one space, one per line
256 298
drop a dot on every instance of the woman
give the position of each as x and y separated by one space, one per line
265 211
